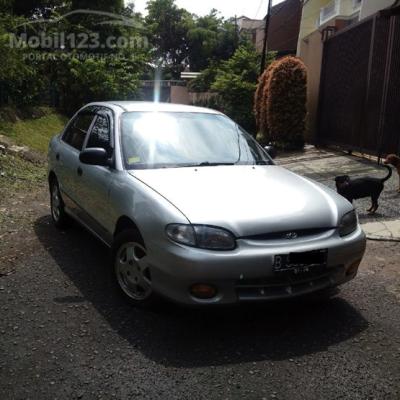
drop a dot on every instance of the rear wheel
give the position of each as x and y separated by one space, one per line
131 269
60 218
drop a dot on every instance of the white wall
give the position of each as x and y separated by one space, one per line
179 95
370 7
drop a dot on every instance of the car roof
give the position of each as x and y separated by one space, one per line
130 106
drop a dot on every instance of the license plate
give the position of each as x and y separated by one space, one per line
301 262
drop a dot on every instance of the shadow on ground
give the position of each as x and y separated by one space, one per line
179 337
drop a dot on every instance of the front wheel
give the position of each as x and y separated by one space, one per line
131 270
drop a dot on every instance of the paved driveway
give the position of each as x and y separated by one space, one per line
324 166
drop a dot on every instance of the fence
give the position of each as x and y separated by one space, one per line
359 105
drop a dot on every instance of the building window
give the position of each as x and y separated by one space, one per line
254 37
357 4
330 11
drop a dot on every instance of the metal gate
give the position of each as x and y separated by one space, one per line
359 105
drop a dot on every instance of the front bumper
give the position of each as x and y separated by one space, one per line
246 273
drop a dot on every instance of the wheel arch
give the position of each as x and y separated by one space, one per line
125 223
52 177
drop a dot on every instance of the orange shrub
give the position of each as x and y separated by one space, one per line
260 105
286 103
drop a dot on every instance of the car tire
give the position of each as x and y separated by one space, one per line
58 214
131 272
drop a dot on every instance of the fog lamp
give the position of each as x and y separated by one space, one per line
203 291
353 268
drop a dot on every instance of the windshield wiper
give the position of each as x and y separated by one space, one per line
212 164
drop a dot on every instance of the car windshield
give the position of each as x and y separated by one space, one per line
183 139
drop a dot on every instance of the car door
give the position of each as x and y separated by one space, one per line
67 159
96 180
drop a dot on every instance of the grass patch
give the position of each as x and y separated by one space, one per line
18 179
34 133
18 174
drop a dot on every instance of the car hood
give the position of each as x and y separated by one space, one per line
247 200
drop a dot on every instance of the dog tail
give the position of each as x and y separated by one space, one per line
389 174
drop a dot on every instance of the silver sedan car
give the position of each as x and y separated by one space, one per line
194 210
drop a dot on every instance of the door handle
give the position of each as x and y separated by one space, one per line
80 172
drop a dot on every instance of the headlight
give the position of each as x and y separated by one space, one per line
182 234
201 236
348 224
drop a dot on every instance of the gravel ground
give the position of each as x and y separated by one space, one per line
66 334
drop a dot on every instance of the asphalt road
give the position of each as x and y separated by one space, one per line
66 334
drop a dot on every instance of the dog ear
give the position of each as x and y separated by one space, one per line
392 159
389 159
342 178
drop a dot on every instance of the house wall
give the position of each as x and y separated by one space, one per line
347 8
311 13
311 50
259 38
200 97
370 7
283 31
310 18
180 95
254 29
284 25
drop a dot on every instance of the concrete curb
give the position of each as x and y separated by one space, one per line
383 230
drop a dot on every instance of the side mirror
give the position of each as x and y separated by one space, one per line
271 150
94 156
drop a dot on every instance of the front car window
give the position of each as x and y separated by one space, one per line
100 135
180 139
76 133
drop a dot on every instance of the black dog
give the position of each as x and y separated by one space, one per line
353 189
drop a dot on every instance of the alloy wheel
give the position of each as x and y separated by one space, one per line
132 271
55 202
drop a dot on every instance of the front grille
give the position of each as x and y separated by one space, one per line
300 233
281 286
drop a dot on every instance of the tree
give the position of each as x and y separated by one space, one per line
97 74
210 38
76 74
113 6
6 6
21 81
205 80
168 26
95 79
28 8
235 84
